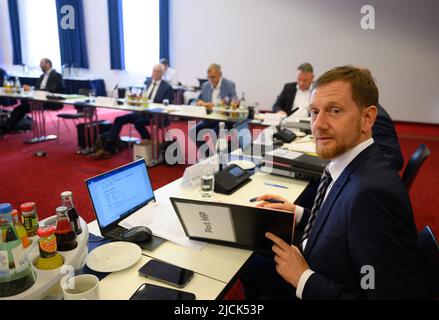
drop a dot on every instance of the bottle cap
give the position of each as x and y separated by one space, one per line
66 194
46 231
5 208
28 206
61 209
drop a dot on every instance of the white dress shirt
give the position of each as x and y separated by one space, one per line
151 87
45 78
336 168
170 77
216 98
301 101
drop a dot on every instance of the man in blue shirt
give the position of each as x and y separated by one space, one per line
217 90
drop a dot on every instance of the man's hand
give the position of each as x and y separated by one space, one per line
286 206
290 263
281 113
207 105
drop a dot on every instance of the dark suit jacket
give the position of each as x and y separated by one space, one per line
384 135
55 83
366 220
164 91
285 100
2 76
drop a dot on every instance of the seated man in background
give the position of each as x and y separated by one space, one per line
215 91
3 75
359 238
50 81
296 94
170 75
156 90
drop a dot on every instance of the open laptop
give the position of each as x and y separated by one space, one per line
233 225
119 193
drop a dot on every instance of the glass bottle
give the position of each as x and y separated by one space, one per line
243 102
29 218
16 272
21 231
67 201
49 257
65 236
221 145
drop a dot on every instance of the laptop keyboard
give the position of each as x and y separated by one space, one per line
116 233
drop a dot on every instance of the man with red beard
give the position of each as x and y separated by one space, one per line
359 238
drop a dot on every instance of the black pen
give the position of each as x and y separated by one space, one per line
268 200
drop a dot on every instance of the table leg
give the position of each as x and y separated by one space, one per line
90 118
39 124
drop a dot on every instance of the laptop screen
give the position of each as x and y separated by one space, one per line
118 193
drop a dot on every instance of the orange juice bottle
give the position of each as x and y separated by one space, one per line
21 231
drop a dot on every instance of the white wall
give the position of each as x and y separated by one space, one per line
5 37
260 43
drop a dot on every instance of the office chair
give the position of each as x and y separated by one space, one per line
414 164
428 262
72 116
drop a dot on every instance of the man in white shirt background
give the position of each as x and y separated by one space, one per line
157 90
296 94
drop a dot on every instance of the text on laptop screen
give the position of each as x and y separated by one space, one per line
120 192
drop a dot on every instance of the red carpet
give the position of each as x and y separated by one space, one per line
28 178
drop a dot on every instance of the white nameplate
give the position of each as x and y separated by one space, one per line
106 101
207 221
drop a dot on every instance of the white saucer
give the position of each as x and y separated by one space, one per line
244 164
113 256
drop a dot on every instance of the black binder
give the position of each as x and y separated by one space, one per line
248 223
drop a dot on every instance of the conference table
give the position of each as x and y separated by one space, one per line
216 266
72 84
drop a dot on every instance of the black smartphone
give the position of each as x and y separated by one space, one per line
152 292
165 272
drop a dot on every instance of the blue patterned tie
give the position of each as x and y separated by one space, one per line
325 181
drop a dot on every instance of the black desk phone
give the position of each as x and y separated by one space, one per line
231 179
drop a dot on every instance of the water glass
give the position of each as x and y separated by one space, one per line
207 181
92 96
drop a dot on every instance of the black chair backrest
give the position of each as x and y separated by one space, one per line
414 164
428 261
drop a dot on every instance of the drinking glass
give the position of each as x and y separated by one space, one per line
207 181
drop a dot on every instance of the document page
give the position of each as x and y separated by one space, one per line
163 222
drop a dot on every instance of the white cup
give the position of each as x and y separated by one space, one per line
82 287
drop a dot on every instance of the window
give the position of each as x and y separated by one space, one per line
141 35
39 32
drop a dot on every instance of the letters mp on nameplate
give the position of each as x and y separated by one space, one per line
207 221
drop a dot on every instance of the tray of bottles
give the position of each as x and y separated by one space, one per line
47 282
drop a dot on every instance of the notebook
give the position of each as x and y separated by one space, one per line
119 193
233 225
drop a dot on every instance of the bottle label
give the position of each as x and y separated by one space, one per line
21 260
48 247
4 263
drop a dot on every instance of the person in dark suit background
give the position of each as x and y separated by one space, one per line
50 81
296 94
156 90
359 239
217 90
3 74
384 134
